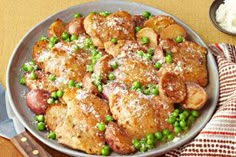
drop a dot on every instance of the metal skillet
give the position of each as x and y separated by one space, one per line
22 53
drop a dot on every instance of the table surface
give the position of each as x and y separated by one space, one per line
18 17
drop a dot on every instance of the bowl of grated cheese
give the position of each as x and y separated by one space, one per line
223 15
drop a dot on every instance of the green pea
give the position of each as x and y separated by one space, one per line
146 14
92 47
150 136
94 52
158 135
168 59
104 13
50 45
177 111
175 114
22 80
150 51
60 93
100 88
52 135
136 85
78 85
51 77
101 126
53 40
65 36
114 65
171 119
73 37
144 40
33 75
98 56
186 113
41 126
146 91
147 56
191 118
43 38
136 144
137 29
39 118
77 15
114 40
88 42
140 53
71 83
179 39
154 91
89 68
182 123
105 150
50 101
54 95
108 118
177 129
185 128
194 113
157 65
27 67
143 148
149 146
182 116
176 124
111 76
165 132
170 137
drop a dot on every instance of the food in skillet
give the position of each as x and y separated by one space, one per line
115 82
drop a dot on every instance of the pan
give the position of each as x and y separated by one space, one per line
22 53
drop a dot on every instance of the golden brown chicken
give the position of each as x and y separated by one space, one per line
189 61
137 113
119 25
79 129
61 60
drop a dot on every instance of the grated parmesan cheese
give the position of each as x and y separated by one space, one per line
226 15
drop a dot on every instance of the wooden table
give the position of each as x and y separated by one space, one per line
17 17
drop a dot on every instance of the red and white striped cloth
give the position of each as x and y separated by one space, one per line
218 138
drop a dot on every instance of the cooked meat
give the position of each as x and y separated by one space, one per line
118 139
117 25
196 97
55 115
56 28
158 23
130 70
137 113
172 88
123 47
59 62
102 67
138 20
88 84
189 61
41 82
78 129
75 26
158 55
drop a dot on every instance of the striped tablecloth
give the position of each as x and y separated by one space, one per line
218 138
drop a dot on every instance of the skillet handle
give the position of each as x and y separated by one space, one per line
28 146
